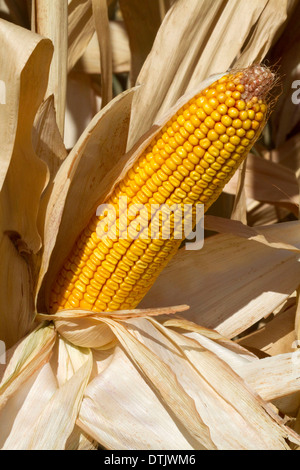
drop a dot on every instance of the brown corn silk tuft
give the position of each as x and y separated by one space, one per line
188 162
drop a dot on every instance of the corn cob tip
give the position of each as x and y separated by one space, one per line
258 81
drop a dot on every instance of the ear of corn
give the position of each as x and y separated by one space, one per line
188 162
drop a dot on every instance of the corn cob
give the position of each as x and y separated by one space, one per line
188 162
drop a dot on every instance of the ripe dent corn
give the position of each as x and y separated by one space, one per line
189 160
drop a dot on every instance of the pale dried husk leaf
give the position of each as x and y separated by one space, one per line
26 404
228 350
273 377
86 329
81 28
122 411
55 421
16 286
40 403
213 389
26 359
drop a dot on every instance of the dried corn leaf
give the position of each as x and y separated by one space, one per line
101 20
288 154
273 377
239 211
80 29
49 147
90 60
277 336
20 167
272 20
25 406
47 141
51 17
286 55
228 350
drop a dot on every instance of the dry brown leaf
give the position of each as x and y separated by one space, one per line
142 20
288 154
286 55
236 228
213 389
268 182
82 105
90 60
231 283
